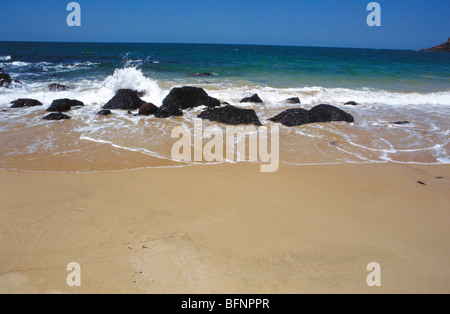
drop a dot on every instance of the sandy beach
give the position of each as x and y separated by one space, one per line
227 229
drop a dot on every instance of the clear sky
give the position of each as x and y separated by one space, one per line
406 24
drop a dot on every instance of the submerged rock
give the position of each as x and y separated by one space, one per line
58 88
104 112
231 115
351 103
125 99
401 122
201 74
57 116
294 100
318 114
147 109
254 99
184 98
24 103
63 105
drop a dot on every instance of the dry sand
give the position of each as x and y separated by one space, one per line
227 229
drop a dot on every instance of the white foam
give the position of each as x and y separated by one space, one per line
5 58
275 97
132 78
20 64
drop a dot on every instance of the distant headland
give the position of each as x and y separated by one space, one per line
444 47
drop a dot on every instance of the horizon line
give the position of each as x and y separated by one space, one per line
180 43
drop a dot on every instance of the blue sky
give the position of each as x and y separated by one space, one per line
406 24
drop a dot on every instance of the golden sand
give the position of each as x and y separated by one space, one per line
227 229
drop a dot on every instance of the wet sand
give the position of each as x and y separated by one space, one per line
227 229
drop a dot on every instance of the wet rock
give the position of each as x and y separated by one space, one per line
231 115
104 112
147 109
125 99
327 113
254 99
57 116
318 114
24 103
167 112
184 98
351 103
58 88
292 117
294 100
63 105
8 82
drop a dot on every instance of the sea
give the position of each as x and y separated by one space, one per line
389 86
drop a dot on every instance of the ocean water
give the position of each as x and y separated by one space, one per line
389 86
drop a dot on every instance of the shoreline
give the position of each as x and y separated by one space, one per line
227 229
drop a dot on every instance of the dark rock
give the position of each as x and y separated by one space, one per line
5 79
63 105
445 47
294 100
318 114
254 99
23 102
189 97
58 88
421 183
148 109
201 74
167 112
231 115
104 112
401 122
56 116
185 98
327 113
292 117
8 82
1 69
125 99
351 103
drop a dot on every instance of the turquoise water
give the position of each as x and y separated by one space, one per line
273 66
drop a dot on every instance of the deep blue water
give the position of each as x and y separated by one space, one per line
274 66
